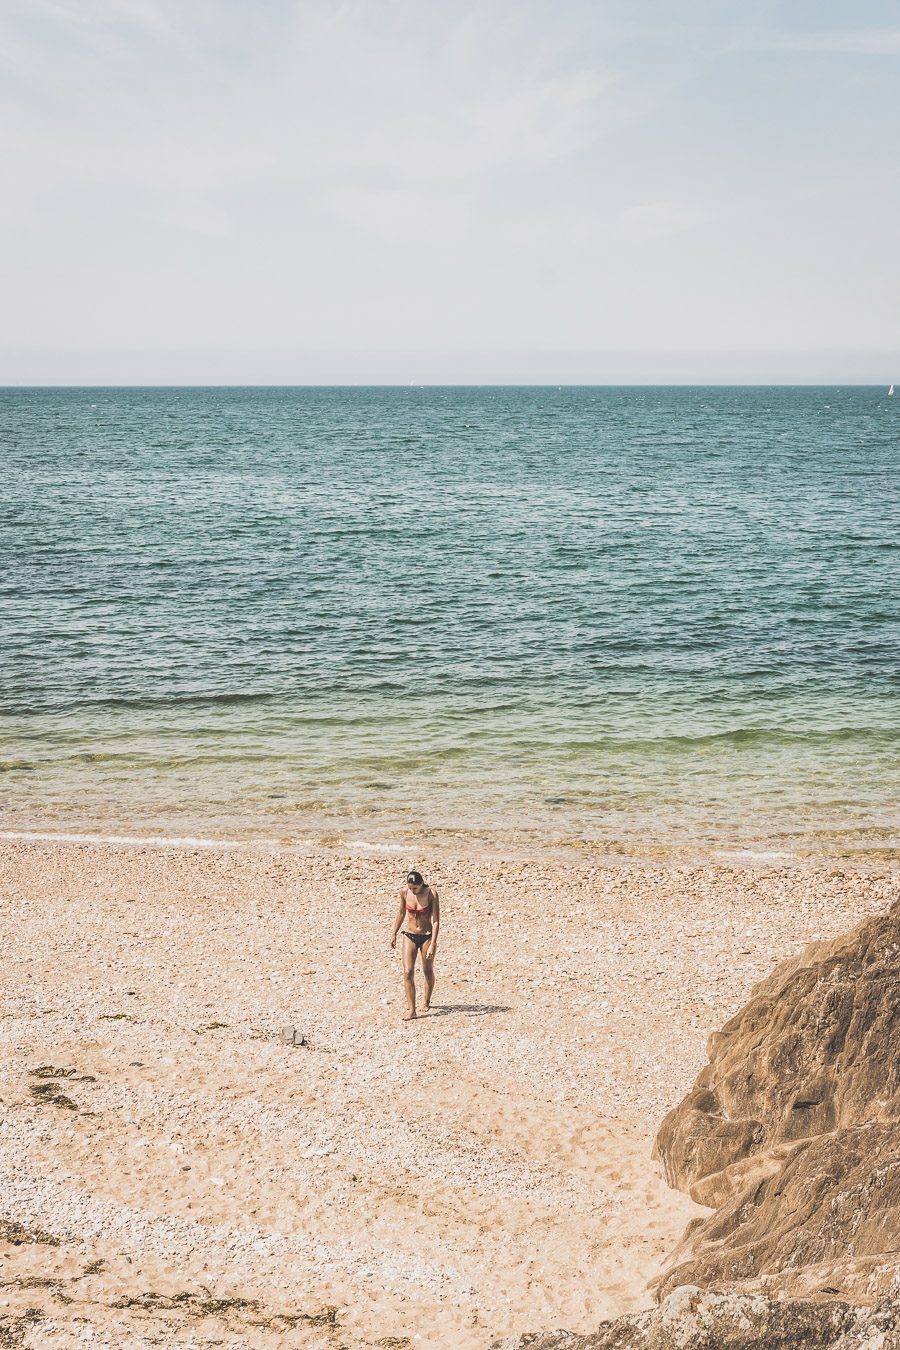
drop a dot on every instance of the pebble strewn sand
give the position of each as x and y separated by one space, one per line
483 1170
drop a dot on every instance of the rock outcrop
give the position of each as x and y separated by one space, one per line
791 1135
694 1319
792 1131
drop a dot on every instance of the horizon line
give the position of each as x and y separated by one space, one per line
457 384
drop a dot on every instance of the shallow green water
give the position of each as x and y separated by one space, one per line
526 617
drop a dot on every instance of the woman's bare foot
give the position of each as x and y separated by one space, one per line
409 1017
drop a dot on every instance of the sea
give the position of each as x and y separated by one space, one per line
525 621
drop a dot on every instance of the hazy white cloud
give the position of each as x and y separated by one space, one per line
847 41
653 220
403 214
371 176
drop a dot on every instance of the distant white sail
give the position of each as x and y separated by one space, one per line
891 390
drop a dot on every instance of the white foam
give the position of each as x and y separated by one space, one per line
156 839
752 853
363 843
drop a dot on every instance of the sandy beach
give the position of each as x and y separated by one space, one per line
484 1170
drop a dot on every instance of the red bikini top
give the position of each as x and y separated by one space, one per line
412 909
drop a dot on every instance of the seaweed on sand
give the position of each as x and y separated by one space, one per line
49 1094
17 1234
32 1282
205 1305
287 1321
48 1090
12 1329
197 1305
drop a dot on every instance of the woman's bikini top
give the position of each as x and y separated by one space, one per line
412 909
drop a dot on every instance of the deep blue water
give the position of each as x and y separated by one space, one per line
627 617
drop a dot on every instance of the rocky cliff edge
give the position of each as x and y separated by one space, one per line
791 1135
792 1131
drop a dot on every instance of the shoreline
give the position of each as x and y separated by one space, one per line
713 853
484 1169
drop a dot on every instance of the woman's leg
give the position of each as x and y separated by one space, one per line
409 976
428 968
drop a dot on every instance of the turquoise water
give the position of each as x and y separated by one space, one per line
525 618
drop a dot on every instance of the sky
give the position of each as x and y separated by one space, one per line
437 191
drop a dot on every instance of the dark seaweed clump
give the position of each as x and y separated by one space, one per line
204 1305
17 1234
48 1094
48 1091
12 1329
196 1304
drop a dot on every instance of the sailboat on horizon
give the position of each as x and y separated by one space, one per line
891 390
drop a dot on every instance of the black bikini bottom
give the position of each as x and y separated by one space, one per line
418 938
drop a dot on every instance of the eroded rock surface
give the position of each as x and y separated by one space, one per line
694 1319
792 1131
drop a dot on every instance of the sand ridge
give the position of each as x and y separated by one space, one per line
483 1170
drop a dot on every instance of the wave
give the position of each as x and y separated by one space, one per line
384 848
86 704
741 737
194 841
155 840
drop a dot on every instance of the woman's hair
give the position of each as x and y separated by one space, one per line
414 879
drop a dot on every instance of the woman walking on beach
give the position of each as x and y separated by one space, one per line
421 908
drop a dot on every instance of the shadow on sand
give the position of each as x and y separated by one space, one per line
466 1009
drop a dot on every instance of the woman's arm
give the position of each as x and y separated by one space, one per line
435 924
399 919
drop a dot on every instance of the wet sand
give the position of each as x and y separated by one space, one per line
482 1170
